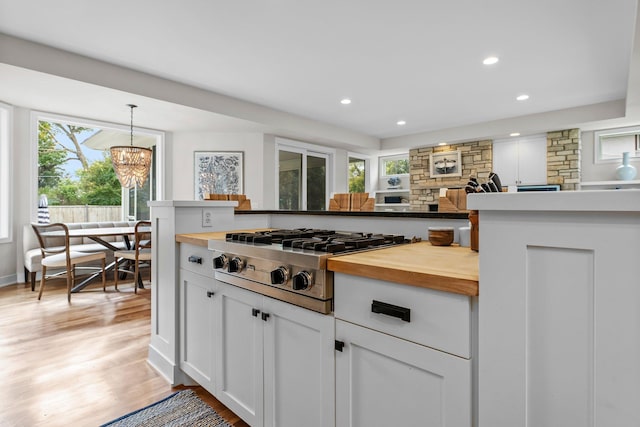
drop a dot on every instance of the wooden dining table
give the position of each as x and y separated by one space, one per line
98 235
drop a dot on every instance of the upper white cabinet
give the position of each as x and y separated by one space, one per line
521 161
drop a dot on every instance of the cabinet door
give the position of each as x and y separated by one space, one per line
505 161
532 161
383 380
298 366
197 328
239 353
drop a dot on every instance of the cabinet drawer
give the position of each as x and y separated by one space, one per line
440 320
197 259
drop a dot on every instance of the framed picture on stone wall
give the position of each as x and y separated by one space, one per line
445 163
218 172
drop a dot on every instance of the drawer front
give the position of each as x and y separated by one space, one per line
197 259
436 319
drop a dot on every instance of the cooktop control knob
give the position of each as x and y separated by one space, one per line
235 265
280 275
301 280
220 261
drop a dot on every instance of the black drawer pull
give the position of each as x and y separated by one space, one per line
210 294
196 259
391 310
339 345
255 312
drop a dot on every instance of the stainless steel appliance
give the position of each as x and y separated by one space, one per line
290 265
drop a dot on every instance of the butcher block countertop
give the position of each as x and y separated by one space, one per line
201 239
445 268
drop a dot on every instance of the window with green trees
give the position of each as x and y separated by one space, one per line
357 175
75 170
394 165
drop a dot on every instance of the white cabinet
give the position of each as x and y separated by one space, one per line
197 319
385 381
275 361
521 161
383 197
197 328
395 361
559 332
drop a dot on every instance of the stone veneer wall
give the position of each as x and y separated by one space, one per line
563 158
477 160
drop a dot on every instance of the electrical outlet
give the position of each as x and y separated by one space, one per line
207 218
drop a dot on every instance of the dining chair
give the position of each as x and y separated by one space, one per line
56 254
140 254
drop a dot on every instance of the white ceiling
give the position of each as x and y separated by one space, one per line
419 61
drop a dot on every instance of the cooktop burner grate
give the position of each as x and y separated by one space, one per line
318 240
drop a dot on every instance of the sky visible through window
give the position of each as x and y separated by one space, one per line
72 166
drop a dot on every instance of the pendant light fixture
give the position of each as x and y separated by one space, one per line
130 163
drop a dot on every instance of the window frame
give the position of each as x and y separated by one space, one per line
37 116
383 159
305 149
6 173
367 169
597 144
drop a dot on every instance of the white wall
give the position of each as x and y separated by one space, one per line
11 253
600 171
185 143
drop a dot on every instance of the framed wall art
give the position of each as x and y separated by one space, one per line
444 164
218 172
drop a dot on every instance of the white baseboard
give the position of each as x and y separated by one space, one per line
8 280
170 371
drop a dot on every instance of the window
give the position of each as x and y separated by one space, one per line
357 173
303 177
610 144
394 165
5 173
76 175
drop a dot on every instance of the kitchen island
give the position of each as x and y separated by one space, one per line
559 325
411 305
173 217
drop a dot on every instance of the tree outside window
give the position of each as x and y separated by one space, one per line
71 174
357 175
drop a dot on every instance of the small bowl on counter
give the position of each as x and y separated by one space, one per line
441 236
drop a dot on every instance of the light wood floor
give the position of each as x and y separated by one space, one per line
78 364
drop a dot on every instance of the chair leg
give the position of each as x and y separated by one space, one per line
30 278
44 273
104 276
70 280
115 274
136 276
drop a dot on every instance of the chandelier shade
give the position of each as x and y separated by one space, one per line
131 164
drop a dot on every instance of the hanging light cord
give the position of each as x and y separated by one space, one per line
132 106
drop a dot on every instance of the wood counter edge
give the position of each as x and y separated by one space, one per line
438 282
197 239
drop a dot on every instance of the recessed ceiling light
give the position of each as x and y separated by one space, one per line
442 143
491 60
401 123
345 101
522 97
514 134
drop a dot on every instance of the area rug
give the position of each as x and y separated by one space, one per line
183 408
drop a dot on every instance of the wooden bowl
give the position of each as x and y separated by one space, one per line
441 236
